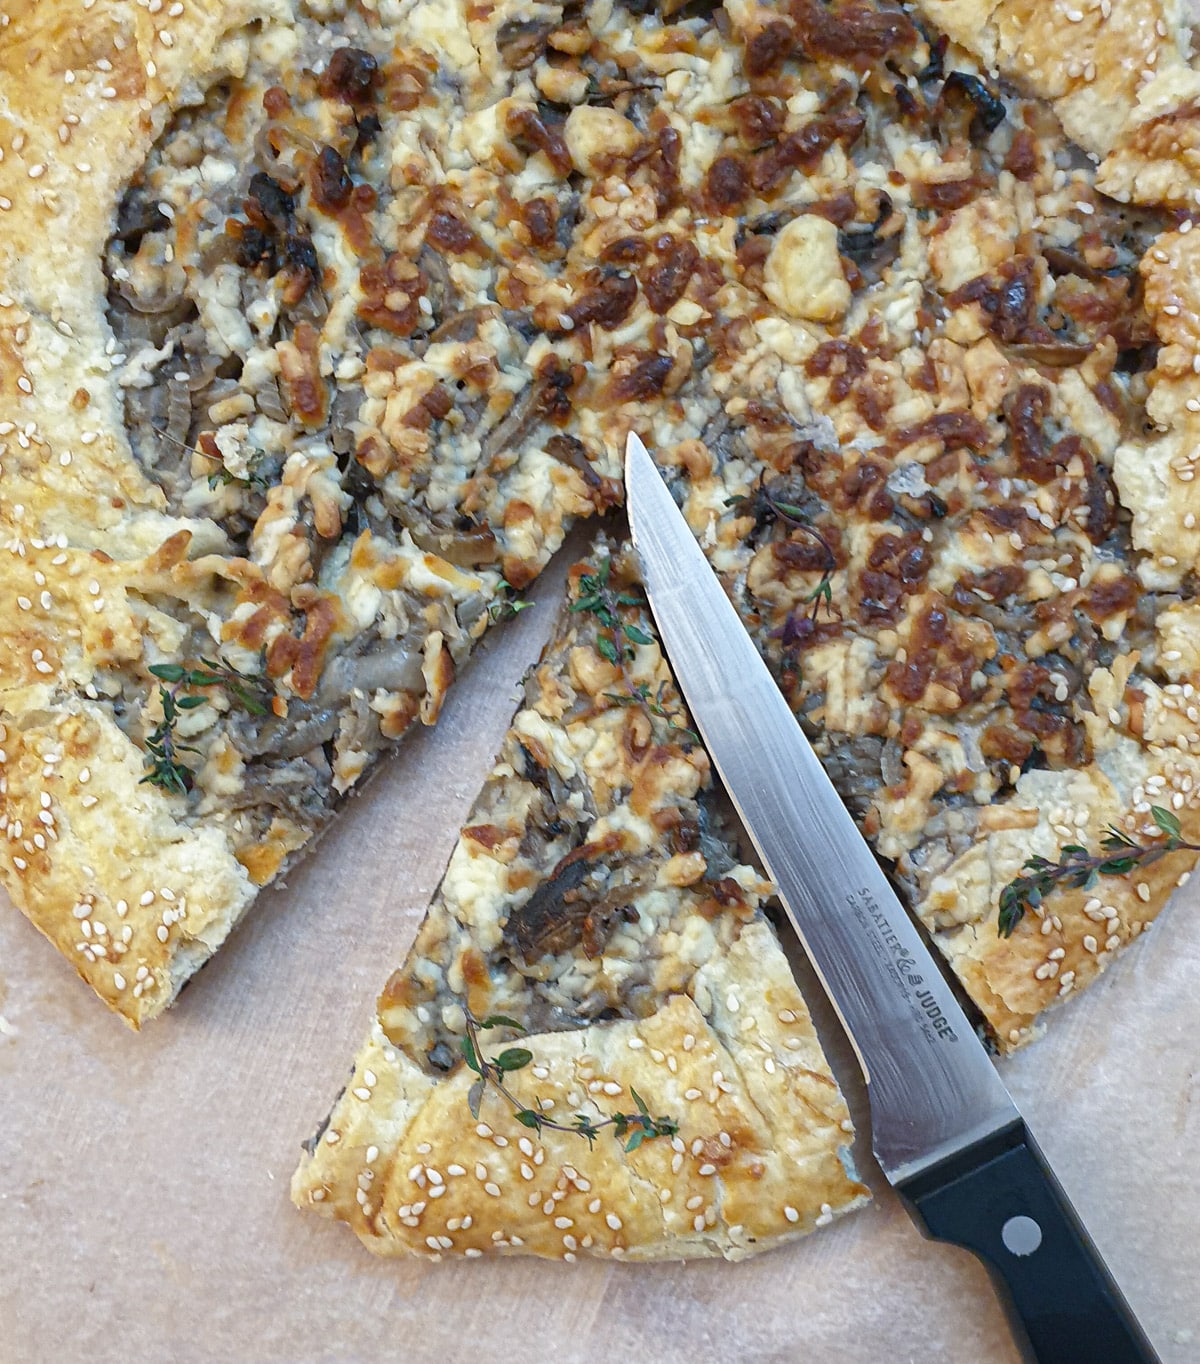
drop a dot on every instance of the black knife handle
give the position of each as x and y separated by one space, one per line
1000 1200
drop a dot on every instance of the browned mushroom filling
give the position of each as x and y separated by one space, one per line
401 292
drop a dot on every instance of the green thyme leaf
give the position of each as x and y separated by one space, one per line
1166 821
501 1021
514 1058
607 648
467 1047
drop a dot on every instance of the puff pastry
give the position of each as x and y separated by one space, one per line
319 322
596 899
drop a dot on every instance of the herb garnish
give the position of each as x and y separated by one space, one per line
1078 869
254 477
508 606
765 508
602 600
164 767
631 1128
655 703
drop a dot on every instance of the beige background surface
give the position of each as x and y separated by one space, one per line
143 1179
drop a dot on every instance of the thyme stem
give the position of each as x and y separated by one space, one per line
634 1128
1078 869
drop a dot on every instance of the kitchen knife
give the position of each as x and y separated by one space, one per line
944 1129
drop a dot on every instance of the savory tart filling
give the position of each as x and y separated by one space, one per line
664 1094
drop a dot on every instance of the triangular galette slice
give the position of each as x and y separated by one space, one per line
655 1087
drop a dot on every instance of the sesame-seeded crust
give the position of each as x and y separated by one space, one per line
134 897
1100 63
701 1015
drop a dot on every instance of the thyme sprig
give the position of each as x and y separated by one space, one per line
656 704
507 606
765 507
597 595
254 477
1078 869
164 767
630 1128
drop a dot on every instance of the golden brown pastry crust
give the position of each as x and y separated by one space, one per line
100 863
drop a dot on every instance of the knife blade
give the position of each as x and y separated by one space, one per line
945 1131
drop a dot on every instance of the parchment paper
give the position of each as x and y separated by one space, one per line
143 1179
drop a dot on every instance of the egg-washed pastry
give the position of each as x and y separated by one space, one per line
319 322
597 900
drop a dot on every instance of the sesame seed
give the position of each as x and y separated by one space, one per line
791 1214
359 1093
707 1169
455 1170
162 933
368 1075
562 1223
613 1221
493 1189
1143 891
